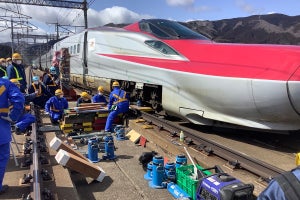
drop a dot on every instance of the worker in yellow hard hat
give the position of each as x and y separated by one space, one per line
84 98
3 67
56 105
118 103
17 70
100 98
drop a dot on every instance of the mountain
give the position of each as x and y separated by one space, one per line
259 29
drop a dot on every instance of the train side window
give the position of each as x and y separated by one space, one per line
162 47
74 49
78 48
71 50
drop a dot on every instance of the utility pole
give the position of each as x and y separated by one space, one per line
85 14
12 36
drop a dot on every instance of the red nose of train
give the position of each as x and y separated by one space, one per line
293 89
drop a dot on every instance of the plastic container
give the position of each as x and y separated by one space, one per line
185 180
181 136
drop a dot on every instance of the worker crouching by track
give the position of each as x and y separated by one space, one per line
56 105
118 103
26 119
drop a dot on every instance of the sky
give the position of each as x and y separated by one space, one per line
102 12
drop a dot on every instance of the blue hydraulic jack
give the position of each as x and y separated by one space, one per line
157 173
120 132
93 150
109 148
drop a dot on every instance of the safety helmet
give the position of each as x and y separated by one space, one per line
15 81
116 84
16 56
85 95
52 70
2 60
58 92
100 89
35 78
8 59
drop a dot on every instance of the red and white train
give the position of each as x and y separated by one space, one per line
169 66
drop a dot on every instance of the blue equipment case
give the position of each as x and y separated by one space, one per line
222 186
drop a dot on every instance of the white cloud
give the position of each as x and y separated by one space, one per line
115 14
180 2
43 15
248 8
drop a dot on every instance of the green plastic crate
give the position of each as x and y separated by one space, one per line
186 182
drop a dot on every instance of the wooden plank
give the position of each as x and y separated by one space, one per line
133 136
57 144
80 165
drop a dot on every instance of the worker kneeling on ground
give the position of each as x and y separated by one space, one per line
84 98
26 119
118 103
99 98
56 105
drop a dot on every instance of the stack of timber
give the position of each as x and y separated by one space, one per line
87 117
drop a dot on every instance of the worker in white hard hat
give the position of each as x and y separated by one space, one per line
17 71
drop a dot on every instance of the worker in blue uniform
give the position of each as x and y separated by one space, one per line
3 67
26 119
42 94
56 105
283 187
10 96
118 103
99 98
84 98
17 71
51 81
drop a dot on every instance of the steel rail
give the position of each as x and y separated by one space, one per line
36 193
258 167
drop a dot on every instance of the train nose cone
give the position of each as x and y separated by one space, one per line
293 89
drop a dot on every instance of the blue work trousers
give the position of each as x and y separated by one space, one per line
4 157
25 121
55 116
112 115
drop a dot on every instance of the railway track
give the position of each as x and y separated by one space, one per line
235 158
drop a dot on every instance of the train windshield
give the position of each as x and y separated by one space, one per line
167 29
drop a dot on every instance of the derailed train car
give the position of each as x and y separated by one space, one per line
169 66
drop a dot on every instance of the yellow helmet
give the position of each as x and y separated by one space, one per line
100 89
16 56
15 81
116 84
8 59
85 95
2 60
58 92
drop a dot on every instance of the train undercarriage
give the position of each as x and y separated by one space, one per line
146 94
